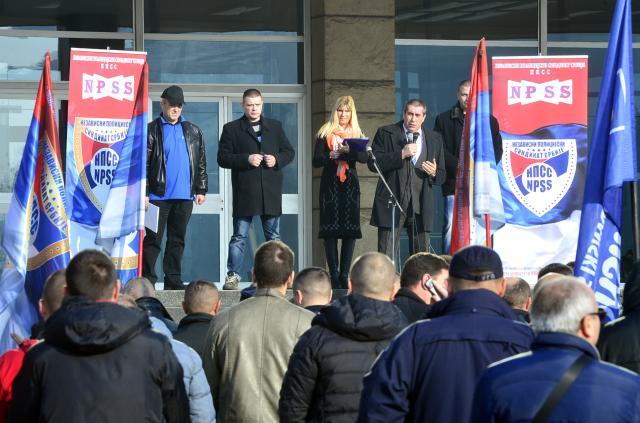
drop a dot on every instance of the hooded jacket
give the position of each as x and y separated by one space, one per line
619 341
99 362
324 378
429 372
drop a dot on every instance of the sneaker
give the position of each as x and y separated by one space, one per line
231 281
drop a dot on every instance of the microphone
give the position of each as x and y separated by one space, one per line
415 137
370 153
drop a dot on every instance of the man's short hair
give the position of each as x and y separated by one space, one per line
517 292
372 274
53 290
200 297
272 264
419 264
464 83
560 305
251 93
560 268
313 282
414 102
139 287
91 274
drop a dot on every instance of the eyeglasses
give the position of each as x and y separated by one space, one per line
601 313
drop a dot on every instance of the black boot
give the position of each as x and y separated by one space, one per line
346 254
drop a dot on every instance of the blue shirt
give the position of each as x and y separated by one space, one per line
177 166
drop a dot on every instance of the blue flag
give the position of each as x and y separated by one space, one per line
612 161
35 237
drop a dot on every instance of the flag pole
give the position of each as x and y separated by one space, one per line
487 220
140 242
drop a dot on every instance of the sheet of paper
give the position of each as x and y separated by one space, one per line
151 217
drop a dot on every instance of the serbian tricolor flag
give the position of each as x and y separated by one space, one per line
477 209
35 238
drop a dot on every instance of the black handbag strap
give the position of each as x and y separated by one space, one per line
569 376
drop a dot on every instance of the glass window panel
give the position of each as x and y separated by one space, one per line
69 15
224 62
225 16
206 116
201 259
467 19
287 114
585 20
15 118
288 234
22 58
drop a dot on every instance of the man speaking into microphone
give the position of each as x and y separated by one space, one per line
411 159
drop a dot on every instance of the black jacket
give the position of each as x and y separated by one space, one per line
449 124
411 305
257 191
155 308
156 169
324 378
99 362
619 341
387 147
192 330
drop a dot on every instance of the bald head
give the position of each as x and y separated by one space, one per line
517 293
53 293
372 275
312 286
139 287
201 297
548 277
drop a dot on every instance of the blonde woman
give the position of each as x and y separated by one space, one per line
339 188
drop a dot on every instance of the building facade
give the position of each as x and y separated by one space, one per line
301 55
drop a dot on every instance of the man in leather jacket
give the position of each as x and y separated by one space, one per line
176 176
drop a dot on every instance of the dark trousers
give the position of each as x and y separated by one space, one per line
339 269
418 237
174 215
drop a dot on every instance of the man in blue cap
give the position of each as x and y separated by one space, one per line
430 370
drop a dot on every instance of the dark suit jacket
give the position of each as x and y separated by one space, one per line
449 124
411 305
256 190
387 147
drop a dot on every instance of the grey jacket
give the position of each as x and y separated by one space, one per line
200 403
248 349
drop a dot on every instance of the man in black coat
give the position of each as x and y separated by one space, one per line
324 377
619 341
423 281
256 150
99 361
201 303
450 124
176 177
411 159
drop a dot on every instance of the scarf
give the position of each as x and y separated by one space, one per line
334 140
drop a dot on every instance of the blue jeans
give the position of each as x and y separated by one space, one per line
448 223
241 225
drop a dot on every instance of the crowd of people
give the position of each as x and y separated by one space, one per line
451 339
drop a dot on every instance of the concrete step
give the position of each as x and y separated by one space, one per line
172 300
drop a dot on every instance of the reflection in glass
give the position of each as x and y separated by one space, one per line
22 58
264 17
201 259
206 117
69 15
224 62
288 234
15 118
287 114
585 20
468 20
